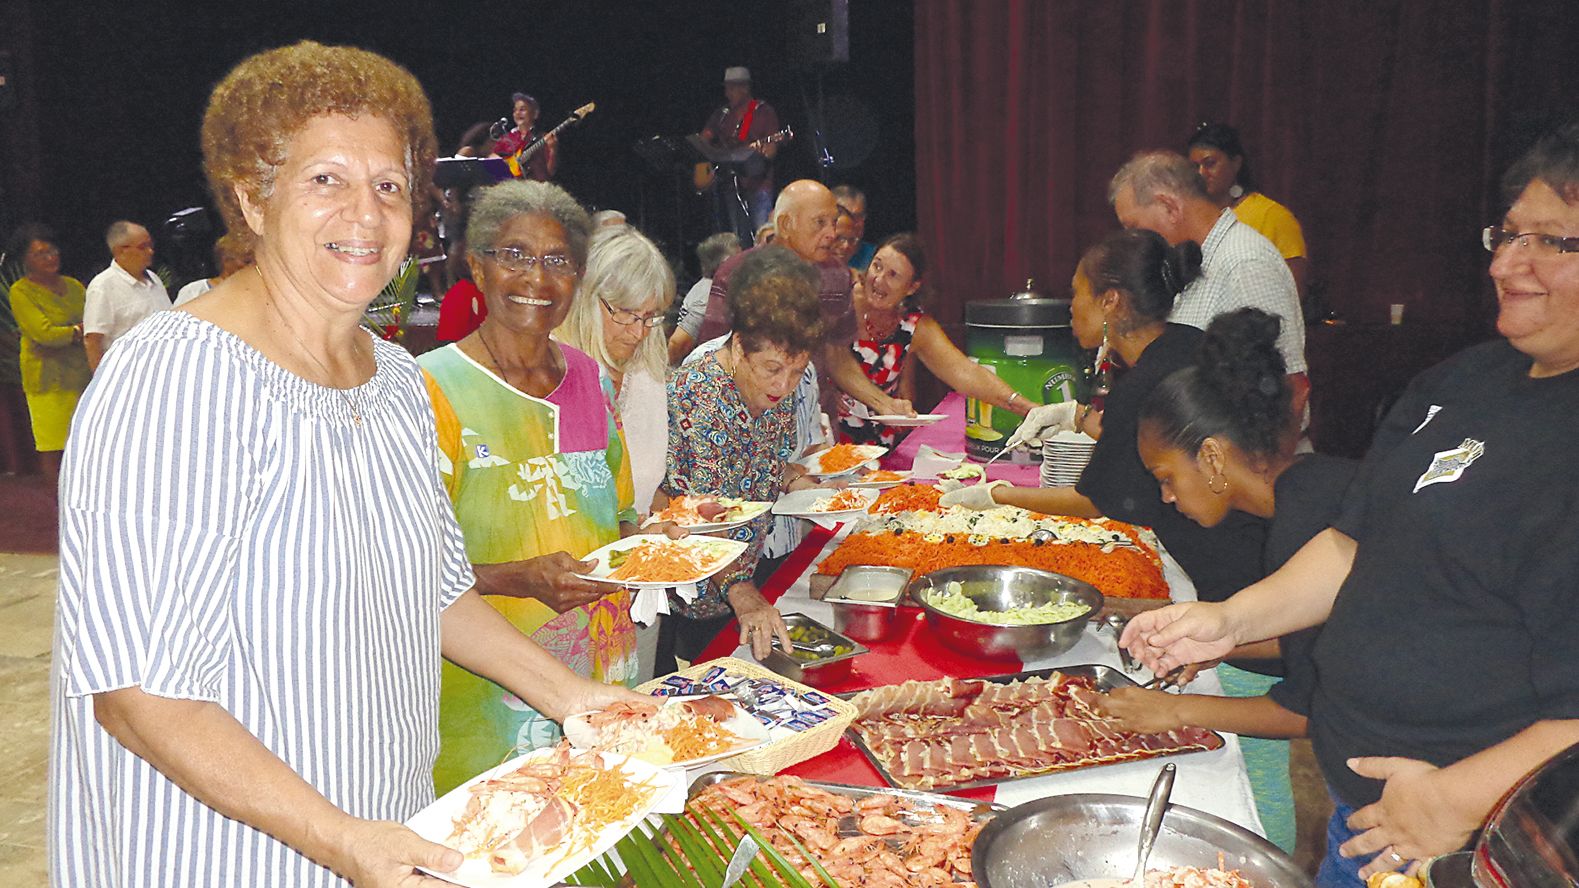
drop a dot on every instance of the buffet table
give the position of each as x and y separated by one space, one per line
1215 782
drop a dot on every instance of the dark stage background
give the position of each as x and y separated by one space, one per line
111 96
1383 124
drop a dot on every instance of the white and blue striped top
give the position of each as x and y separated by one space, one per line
228 533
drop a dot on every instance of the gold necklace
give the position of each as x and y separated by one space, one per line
356 414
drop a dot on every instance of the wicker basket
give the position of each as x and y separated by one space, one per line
774 757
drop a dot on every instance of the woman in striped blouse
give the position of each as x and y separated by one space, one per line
260 568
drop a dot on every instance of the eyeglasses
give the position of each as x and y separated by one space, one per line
628 318
523 262
1495 237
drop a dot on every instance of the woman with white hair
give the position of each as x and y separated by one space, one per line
617 318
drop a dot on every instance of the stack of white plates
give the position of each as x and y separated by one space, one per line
1064 457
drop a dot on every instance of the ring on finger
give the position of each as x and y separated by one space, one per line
1393 855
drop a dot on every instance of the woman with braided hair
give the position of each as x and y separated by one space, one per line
1124 288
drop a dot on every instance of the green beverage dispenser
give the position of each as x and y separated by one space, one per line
1028 343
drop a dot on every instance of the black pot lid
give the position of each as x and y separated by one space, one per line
1017 313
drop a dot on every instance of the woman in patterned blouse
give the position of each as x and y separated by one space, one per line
890 325
732 433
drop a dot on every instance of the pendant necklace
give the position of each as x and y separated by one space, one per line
356 414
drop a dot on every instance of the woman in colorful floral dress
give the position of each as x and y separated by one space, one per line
536 465
890 324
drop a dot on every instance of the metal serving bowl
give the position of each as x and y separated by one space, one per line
1093 835
997 587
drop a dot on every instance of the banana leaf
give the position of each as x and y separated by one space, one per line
388 313
692 850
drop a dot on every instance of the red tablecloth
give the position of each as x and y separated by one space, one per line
914 655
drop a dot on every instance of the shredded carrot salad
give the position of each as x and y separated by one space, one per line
1123 573
908 498
882 475
666 562
842 501
603 796
693 738
842 456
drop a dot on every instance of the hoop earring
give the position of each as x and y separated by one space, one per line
1217 477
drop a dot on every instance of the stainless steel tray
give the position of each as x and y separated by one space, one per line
1106 677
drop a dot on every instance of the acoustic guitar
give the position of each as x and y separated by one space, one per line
706 172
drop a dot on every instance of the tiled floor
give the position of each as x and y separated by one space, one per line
27 613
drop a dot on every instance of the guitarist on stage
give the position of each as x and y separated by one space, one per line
743 197
542 164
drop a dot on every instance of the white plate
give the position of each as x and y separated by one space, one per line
748 511
813 462
882 485
899 420
728 551
741 723
801 503
436 822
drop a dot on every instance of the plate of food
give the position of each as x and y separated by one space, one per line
840 459
652 559
819 502
669 732
902 421
538 818
704 514
881 479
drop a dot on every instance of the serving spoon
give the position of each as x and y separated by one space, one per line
1151 824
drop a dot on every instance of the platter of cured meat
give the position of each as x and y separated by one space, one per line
539 817
669 732
859 834
953 733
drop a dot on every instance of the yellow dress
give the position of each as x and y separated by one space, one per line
54 366
1274 221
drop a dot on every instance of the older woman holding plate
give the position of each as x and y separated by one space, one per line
534 460
259 565
733 433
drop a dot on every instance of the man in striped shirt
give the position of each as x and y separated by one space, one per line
1163 192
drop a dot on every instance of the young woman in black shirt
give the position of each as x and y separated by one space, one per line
1219 438
1124 288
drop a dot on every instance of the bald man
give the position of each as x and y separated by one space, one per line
803 220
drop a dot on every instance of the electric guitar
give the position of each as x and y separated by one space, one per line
520 159
705 172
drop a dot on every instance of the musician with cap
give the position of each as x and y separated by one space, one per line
743 195
544 160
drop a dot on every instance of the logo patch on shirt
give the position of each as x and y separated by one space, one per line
482 451
1448 465
1429 415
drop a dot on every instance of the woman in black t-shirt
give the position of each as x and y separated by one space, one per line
1124 289
1219 439
1445 586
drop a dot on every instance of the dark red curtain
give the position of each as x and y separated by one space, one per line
1383 125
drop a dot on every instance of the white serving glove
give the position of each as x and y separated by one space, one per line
1042 423
976 496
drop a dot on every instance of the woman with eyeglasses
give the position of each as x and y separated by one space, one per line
1445 585
1215 150
47 306
617 318
535 464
